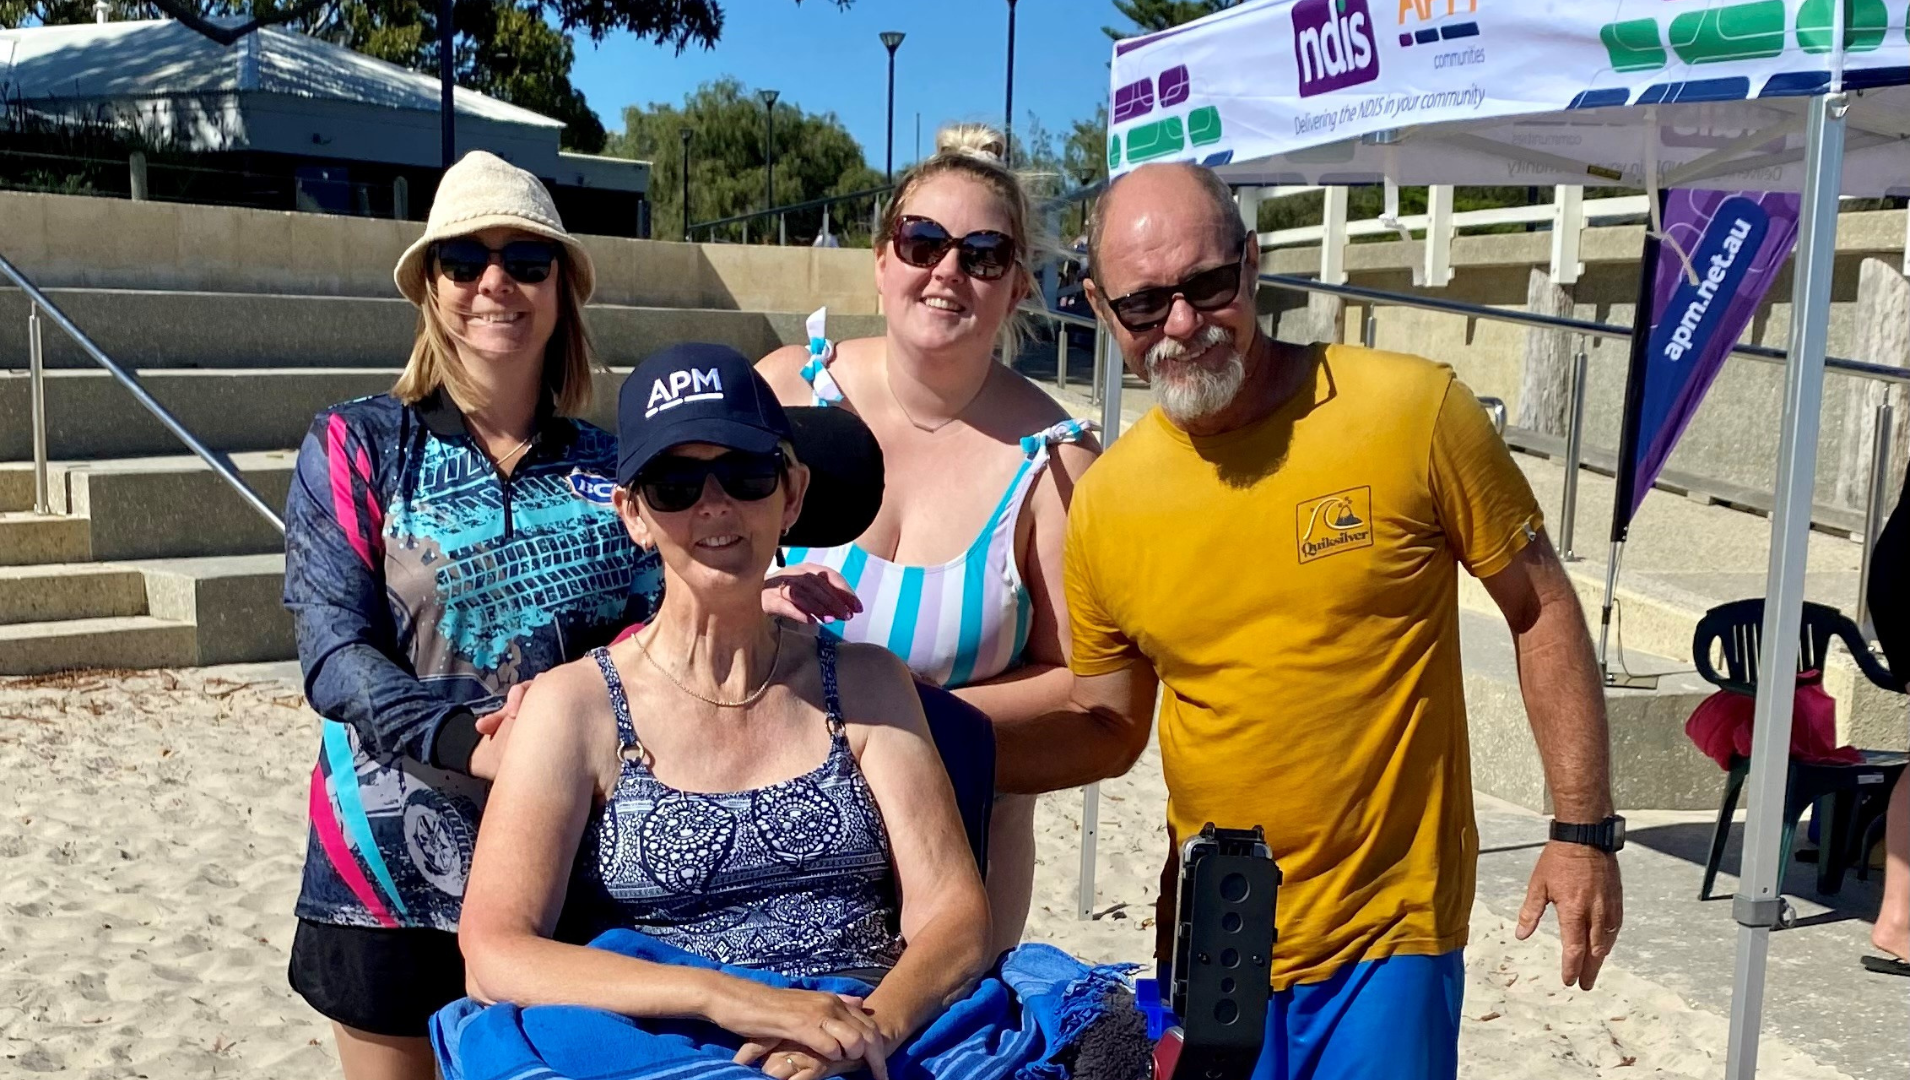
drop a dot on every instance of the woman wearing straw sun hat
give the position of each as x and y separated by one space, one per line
444 542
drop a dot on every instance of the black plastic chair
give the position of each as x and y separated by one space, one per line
966 740
1836 790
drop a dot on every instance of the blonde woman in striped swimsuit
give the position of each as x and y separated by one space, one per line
960 575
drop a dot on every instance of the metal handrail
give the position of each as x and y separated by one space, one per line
220 466
1059 316
1880 372
777 211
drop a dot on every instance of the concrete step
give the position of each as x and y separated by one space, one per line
16 483
28 539
57 591
1654 622
171 507
129 641
148 613
91 416
1654 766
233 602
155 329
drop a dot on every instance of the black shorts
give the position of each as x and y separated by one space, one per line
384 982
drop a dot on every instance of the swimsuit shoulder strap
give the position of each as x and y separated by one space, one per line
630 748
831 696
1036 449
822 353
1067 431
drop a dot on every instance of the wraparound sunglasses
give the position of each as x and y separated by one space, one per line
1208 290
671 485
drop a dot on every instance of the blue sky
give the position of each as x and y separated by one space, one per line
950 67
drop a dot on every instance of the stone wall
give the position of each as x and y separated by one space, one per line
82 242
67 241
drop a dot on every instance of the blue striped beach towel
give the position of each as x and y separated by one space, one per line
1040 1015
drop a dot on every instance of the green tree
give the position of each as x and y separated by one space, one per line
1084 157
1152 16
1037 157
518 51
1084 154
815 157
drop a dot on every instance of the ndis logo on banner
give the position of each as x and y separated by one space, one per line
1333 45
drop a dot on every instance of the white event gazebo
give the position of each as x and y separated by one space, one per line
1800 95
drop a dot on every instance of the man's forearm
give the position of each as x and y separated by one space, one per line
1020 694
1062 749
1565 702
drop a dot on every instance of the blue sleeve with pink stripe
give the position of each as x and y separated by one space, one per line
355 672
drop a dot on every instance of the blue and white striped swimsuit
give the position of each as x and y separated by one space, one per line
965 621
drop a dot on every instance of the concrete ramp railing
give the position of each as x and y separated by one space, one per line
38 302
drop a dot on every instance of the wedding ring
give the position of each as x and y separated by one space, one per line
790 1059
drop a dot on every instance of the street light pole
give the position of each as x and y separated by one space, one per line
685 133
447 114
769 147
1009 127
891 39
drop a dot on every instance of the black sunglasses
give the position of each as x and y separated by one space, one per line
671 484
463 260
1209 290
921 242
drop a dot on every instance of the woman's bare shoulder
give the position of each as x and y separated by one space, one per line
782 369
876 685
1028 405
572 693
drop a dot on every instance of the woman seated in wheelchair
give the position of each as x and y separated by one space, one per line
738 788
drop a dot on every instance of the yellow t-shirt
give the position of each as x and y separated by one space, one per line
1295 585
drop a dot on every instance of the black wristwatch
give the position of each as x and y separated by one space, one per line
1607 836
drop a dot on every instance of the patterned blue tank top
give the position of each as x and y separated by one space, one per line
793 878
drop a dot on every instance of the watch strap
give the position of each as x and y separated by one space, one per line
1599 835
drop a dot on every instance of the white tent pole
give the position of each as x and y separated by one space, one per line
1110 360
1568 227
1333 237
1758 903
1437 271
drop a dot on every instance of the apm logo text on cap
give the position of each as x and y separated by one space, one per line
683 387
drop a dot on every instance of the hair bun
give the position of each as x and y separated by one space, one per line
974 140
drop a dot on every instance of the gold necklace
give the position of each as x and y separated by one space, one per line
501 462
752 698
917 424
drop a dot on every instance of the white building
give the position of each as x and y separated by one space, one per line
283 120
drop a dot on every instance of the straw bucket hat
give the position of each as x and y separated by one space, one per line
483 191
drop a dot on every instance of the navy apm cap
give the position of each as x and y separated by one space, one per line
711 394
694 393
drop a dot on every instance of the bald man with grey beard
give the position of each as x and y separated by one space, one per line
1277 546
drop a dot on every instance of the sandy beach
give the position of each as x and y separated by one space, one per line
152 827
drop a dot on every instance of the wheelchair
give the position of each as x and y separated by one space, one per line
1206 1007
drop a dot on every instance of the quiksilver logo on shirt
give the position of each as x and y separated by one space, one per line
1330 524
683 387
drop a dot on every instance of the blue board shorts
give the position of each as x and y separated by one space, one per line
1390 1019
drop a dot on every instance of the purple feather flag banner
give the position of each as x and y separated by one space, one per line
1737 242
